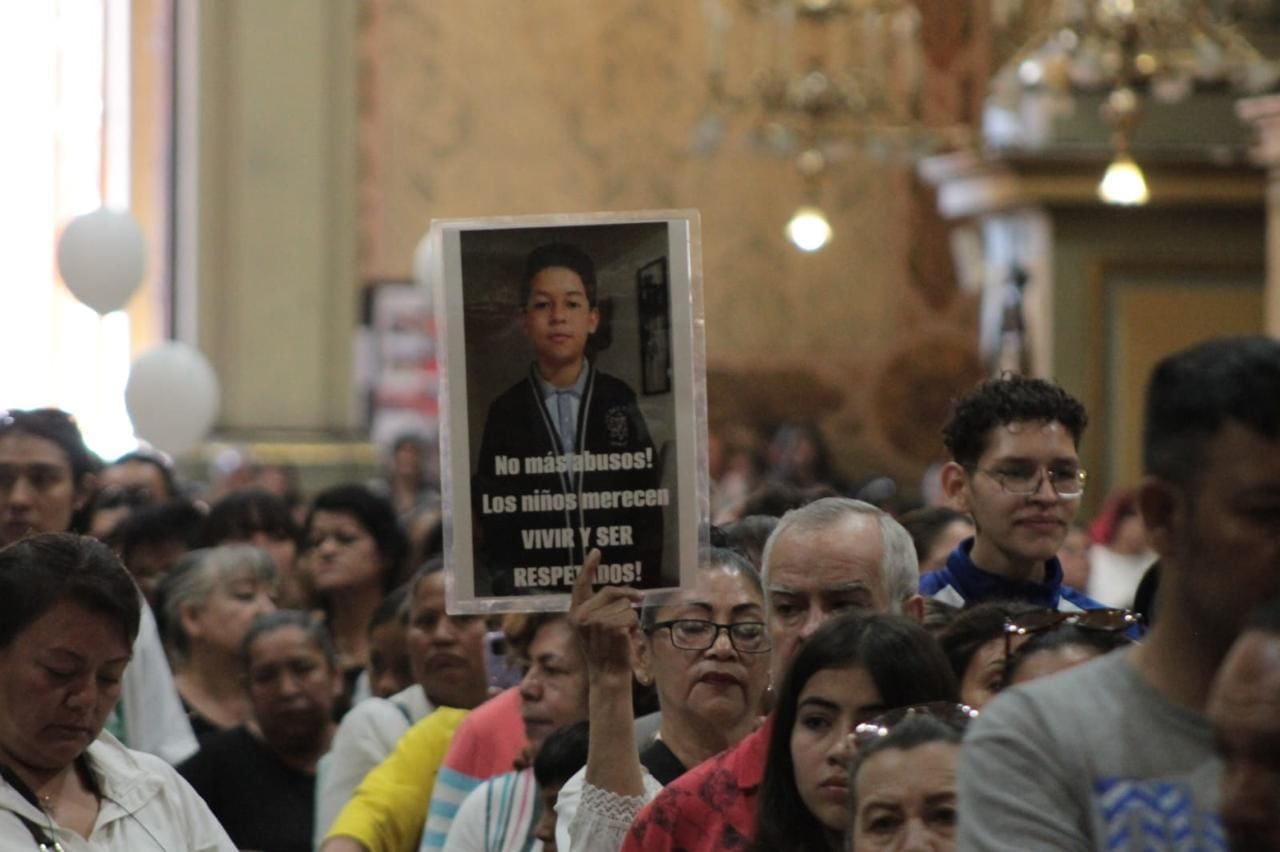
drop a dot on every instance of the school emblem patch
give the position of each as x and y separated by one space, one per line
618 426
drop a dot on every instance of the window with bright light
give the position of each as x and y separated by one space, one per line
66 90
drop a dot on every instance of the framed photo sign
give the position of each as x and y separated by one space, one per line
572 405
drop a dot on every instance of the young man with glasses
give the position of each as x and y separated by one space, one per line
1016 470
1119 753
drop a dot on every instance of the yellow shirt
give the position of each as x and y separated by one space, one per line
388 809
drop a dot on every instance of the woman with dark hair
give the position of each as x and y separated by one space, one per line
258 517
851 669
355 551
69 614
1059 649
47 474
389 668
260 780
904 786
498 810
501 813
447 660
975 645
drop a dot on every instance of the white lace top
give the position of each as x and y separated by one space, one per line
589 819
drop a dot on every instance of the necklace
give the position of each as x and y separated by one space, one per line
55 788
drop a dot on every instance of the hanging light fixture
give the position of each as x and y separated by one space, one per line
1123 182
823 81
808 228
1131 49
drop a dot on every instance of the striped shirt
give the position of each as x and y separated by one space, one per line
498 816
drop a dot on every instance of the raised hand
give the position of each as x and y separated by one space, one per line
606 623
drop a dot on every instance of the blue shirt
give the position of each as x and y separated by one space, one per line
563 405
961 583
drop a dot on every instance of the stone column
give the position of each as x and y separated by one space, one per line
278 285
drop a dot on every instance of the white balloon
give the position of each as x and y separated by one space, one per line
172 396
102 257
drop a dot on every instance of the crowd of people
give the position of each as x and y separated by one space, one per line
847 670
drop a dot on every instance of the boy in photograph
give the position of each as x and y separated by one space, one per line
566 462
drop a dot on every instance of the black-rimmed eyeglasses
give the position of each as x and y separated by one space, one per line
696 634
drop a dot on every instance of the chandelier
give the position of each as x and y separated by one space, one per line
823 82
1132 50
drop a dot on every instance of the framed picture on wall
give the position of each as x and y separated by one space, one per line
655 327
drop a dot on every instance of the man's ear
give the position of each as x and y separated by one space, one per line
1165 512
913 608
593 320
954 479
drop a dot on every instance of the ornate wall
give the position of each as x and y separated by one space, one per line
479 107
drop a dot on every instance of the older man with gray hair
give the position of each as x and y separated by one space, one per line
831 556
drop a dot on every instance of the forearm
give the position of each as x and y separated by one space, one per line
613 763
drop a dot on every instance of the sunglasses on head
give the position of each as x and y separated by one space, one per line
1107 620
1042 621
955 715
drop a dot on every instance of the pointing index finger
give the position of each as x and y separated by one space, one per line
587 576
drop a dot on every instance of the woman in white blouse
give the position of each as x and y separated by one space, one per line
707 654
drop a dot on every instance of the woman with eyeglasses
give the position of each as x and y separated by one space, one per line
69 614
904 785
706 652
851 670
